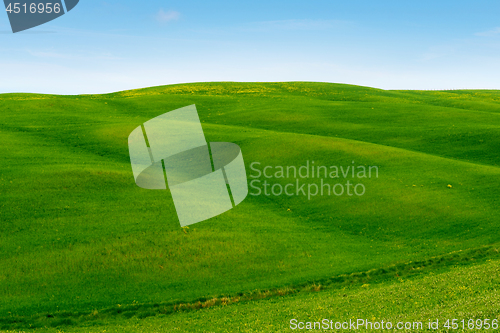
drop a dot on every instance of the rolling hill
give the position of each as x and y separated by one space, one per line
77 235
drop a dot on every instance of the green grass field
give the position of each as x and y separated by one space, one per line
79 241
463 293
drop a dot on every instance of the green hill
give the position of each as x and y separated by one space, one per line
470 295
77 234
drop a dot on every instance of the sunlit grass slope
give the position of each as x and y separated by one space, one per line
77 234
464 293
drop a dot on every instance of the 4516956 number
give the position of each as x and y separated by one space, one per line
471 324
33 8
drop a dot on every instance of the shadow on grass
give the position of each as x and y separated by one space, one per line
141 311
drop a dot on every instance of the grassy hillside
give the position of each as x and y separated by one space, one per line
463 293
77 234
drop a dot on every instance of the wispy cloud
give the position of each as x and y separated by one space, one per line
167 16
303 24
68 56
489 33
438 52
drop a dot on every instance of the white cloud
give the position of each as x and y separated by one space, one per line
438 52
489 33
298 25
167 16
70 56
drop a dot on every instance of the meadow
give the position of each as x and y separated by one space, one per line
468 293
81 244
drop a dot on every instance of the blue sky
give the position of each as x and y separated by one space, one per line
105 46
